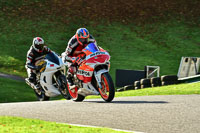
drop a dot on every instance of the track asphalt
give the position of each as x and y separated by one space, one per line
150 114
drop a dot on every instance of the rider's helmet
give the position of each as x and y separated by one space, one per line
38 44
82 35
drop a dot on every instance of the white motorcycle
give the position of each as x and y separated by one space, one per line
51 78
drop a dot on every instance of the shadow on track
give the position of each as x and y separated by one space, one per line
131 102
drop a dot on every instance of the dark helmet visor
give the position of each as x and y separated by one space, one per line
40 46
84 40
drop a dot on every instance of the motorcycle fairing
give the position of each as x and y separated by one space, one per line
54 64
91 47
100 59
53 58
98 76
94 56
85 73
88 89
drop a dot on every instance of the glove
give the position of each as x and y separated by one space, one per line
68 59
41 66
79 60
73 60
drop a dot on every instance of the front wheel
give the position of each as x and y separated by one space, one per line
62 85
107 91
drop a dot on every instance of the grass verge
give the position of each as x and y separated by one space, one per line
22 125
180 89
16 91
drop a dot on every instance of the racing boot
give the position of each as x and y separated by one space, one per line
38 86
32 80
70 82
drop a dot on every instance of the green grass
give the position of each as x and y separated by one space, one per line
16 91
130 46
22 125
180 89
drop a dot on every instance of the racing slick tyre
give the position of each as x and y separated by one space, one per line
107 91
79 98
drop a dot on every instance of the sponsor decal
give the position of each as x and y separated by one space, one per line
85 73
97 53
51 65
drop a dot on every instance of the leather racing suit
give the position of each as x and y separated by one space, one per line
32 57
73 49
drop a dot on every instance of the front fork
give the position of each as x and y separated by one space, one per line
98 76
56 75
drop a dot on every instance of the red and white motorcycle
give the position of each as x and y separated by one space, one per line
92 76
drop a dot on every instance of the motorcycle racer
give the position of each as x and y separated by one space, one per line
36 52
78 42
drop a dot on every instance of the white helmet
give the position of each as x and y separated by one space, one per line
38 44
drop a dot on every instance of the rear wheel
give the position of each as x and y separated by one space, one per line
107 91
41 95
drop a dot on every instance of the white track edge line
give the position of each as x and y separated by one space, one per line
128 131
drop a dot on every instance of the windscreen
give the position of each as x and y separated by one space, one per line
92 47
53 58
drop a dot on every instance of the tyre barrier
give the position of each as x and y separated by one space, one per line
169 78
155 81
137 85
145 86
145 83
120 89
169 82
156 85
127 87
152 82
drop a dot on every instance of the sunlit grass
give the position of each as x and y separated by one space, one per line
22 125
130 46
181 89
